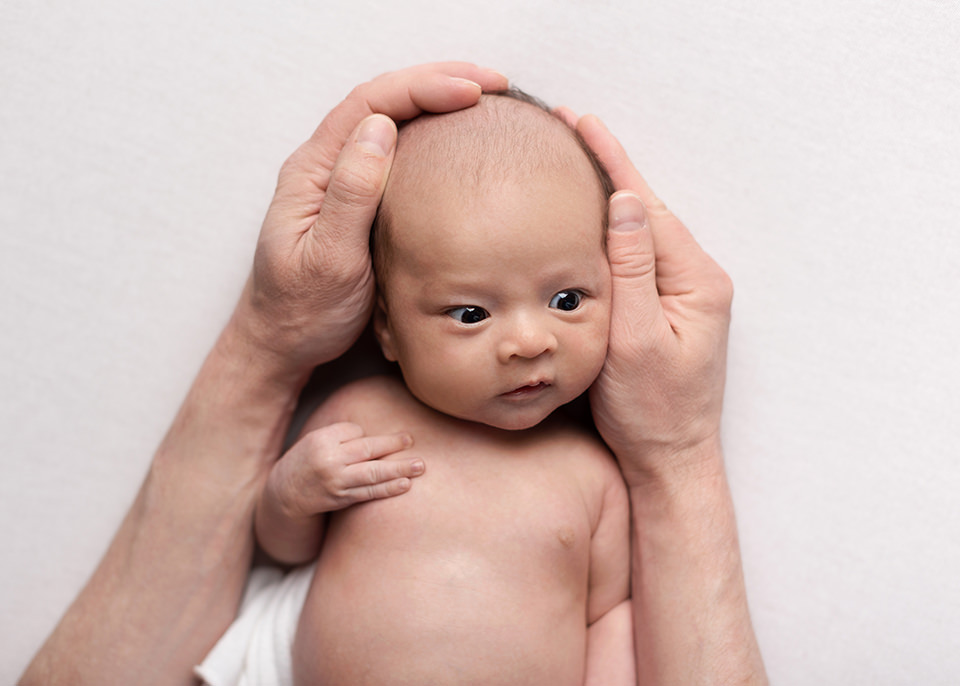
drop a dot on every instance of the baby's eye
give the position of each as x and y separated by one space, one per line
468 315
566 300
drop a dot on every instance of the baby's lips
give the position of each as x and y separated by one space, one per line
531 387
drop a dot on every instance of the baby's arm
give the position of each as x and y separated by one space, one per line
328 469
610 645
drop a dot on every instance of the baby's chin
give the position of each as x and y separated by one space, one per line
504 416
510 419
516 423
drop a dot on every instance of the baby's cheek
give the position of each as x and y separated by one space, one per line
439 382
593 353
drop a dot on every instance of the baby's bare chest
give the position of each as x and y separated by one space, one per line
485 560
487 563
485 503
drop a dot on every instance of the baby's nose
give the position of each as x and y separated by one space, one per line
526 339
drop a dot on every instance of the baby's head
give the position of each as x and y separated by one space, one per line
489 251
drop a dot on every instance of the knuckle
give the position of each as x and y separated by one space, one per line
354 185
398 486
291 166
345 430
655 205
721 289
725 283
359 92
376 472
315 439
323 464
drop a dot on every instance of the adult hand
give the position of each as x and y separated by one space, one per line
657 405
172 578
311 289
659 396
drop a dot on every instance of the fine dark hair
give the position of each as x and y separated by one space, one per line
606 183
379 233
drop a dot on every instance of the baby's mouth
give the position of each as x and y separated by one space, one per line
527 390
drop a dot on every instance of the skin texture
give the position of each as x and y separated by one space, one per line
493 568
328 469
170 581
657 404
534 518
515 235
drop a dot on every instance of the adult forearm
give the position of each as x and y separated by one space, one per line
692 624
171 579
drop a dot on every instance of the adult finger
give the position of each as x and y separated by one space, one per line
401 95
356 185
622 172
566 115
630 249
681 262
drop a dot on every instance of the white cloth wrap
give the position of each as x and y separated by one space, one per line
256 648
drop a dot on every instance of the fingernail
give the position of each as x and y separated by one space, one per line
498 75
407 440
417 467
377 134
589 117
473 84
627 212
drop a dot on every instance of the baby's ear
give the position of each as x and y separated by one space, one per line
383 330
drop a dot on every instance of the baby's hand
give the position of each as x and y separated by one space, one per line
327 469
337 466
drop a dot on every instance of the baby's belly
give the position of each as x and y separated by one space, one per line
445 587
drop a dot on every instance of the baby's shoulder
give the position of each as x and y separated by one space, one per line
371 400
369 390
584 448
573 438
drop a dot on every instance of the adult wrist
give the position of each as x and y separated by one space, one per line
261 347
234 419
672 466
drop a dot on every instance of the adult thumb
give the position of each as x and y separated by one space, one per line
632 256
356 184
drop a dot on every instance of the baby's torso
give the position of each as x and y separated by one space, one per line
477 575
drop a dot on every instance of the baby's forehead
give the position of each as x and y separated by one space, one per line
473 162
500 137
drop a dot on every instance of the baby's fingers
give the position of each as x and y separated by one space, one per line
373 447
380 479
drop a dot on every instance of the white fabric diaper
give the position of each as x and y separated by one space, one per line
256 649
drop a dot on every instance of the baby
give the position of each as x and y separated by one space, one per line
507 560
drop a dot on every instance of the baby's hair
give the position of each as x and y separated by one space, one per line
380 232
606 183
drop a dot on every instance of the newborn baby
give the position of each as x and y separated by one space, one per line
506 559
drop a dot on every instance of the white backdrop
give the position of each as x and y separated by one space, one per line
814 149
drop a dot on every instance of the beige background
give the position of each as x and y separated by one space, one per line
814 148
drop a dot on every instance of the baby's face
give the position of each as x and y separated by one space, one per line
497 300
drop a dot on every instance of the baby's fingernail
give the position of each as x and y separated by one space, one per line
418 467
377 134
627 212
407 440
